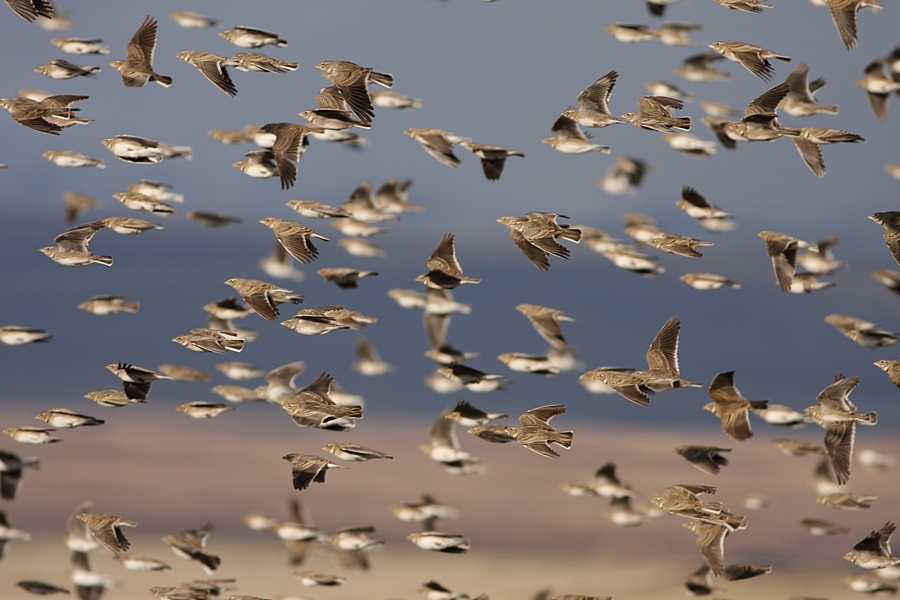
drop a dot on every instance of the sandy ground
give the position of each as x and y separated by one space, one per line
169 472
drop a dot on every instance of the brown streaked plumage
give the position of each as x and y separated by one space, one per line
729 405
106 529
137 68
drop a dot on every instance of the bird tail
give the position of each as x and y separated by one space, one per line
571 233
104 260
759 404
682 123
163 80
384 79
868 418
564 439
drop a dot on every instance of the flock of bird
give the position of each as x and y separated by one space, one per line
348 104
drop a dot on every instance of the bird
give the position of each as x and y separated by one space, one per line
72 45
344 277
192 20
708 459
844 14
137 68
51 115
731 407
213 67
351 82
134 149
800 100
368 362
11 466
257 61
250 37
32 9
440 542
537 434
263 297
493 157
835 413
546 322
654 114
604 483
32 435
40 588
536 236
593 103
129 226
865 333
709 216
874 551
711 542
350 451
203 410
14 335
569 139
662 360
59 68
892 368
288 142
753 58
444 447
62 418
890 221
295 237
437 142
782 248
445 271
819 527
878 86
72 248
699 67
136 380
810 139
307 468
751 6
319 320
426 510
211 340
678 244
190 544
106 529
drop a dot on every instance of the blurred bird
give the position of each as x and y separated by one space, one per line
250 37
878 86
800 100
437 143
190 544
753 58
865 333
705 458
57 68
493 158
307 468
